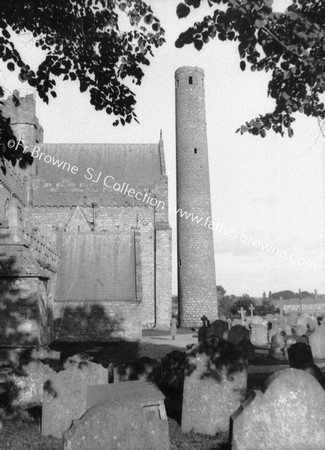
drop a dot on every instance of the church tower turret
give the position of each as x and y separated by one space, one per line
196 268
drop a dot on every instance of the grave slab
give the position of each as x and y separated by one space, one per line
65 395
215 384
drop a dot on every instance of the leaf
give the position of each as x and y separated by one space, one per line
259 23
242 65
198 44
182 10
11 66
179 43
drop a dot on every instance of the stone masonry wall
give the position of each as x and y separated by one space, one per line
107 218
163 275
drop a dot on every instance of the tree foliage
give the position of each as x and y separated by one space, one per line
289 45
245 301
83 41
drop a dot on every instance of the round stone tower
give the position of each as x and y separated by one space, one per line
197 294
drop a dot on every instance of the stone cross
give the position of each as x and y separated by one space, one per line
251 308
242 314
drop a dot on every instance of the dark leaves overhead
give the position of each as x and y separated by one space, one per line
83 42
290 45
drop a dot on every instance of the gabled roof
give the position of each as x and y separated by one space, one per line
97 267
140 165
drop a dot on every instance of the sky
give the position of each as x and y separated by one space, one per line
267 194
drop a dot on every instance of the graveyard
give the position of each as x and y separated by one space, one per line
225 385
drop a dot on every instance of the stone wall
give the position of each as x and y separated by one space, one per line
163 275
112 219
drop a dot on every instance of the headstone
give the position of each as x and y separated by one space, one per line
251 308
313 322
289 416
277 346
29 384
301 330
214 386
65 395
300 354
282 320
259 335
273 331
237 333
218 329
257 320
292 319
317 343
118 425
242 313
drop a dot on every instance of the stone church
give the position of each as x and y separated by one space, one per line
85 241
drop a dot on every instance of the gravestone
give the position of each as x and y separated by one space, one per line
259 335
289 416
239 337
277 346
317 342
65 395
292 319
214 386
116 426
218 329
273 331
299 354
242 313
29 384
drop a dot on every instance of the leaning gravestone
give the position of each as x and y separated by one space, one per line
65 395
214 386
289 416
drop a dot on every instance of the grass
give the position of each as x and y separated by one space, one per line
23 434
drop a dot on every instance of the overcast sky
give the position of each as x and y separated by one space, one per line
270 190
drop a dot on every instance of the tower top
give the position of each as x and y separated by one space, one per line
188 69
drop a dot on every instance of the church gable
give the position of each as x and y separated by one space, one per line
78 222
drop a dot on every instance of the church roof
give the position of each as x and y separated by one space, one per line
97 267
127 162
139 165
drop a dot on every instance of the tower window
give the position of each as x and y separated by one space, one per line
177 83
190 80
179 262
195 150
